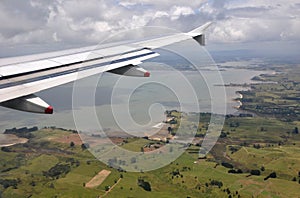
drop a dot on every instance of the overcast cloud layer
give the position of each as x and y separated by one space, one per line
85 22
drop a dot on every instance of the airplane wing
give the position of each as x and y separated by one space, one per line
19 81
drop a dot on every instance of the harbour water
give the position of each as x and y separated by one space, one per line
142 97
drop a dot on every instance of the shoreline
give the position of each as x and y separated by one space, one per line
238 107
247 85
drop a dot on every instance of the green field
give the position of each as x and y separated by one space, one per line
26 163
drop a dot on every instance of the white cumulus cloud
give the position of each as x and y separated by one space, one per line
85 22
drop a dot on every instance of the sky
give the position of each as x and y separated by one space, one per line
75 22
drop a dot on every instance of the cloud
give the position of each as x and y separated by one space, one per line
158 4
177 12
86 22
254 21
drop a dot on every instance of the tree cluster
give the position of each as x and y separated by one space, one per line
9 182
22 132
57 170
216 183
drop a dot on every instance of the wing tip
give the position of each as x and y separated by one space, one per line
147 74
49 110
200 29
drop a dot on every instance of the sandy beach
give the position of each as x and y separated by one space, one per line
10 140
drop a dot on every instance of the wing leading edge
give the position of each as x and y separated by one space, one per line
19 81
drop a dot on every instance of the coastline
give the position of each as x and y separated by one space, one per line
248 85
238 107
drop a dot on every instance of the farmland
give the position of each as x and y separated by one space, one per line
255 143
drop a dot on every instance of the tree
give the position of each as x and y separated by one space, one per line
227 165
173 122
32 183
133 160
272 175
84 146
255 172
5 149
296 131
169 129
223 135
239 171
107 188
144 184
51 185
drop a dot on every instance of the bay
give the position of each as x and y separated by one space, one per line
141 99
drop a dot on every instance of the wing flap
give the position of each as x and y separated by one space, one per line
131 70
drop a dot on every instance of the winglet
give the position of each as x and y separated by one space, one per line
198 31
